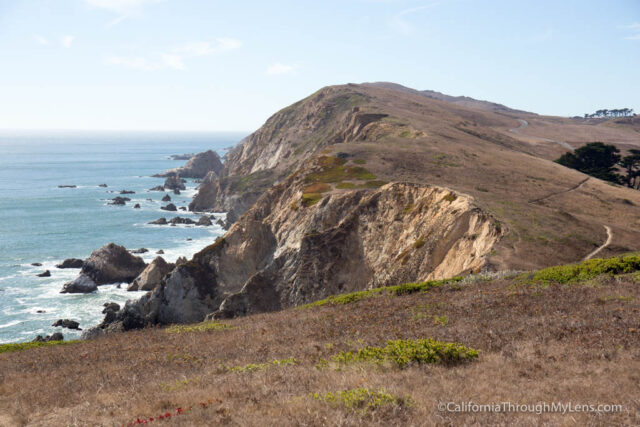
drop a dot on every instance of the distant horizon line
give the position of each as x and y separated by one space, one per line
78 130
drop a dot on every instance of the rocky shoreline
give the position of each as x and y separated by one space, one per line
115 264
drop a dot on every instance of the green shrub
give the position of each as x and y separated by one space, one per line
404 289
441 320
359 161
587 270
361 399
8 348
198 327
252 367
403 352
450 197
310 199
419 243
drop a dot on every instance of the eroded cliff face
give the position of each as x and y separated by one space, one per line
282 254
291 136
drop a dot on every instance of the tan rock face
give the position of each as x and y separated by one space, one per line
276 256
151 276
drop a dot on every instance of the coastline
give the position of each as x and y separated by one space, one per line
85 217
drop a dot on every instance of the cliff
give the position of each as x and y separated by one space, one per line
359 186
282 253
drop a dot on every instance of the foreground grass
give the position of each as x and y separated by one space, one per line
8 348
534 344
198 327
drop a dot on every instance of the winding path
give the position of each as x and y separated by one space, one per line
524 124
606 243
548 196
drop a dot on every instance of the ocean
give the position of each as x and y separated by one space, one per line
41 223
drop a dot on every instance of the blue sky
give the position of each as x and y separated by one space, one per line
229 65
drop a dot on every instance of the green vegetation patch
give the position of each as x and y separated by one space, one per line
419 243
8 348
318 187
252 367
450 197
359 161
375 183
345 185
310 199
586 270
404 352
361 399
334 170
198 327
404 289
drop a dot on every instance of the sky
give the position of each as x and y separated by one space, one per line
215 65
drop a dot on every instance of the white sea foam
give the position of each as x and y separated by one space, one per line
7 325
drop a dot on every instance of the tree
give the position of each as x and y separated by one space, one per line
596 159
631 166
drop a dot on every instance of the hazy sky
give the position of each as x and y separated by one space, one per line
229 65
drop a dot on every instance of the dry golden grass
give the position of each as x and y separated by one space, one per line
568 343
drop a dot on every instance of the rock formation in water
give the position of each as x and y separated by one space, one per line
112 264
71 263
198 166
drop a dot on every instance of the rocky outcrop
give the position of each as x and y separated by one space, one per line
71 263
170 207
45 273
204 221
119 201
174 183
159 221
181 156
279 256
80 285
151 276
53 337
166 198
198 166
66 323
112 264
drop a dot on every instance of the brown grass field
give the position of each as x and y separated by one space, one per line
576 343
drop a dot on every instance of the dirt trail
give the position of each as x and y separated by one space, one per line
548 196
524 124
606 243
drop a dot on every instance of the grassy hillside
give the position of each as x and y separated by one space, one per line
382 357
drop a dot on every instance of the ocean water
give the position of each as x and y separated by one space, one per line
41 223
